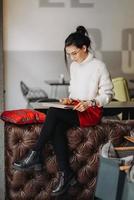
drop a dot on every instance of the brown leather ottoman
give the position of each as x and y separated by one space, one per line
84 144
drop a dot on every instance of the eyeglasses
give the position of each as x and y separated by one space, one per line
74 53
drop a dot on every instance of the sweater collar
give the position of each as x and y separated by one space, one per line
88 58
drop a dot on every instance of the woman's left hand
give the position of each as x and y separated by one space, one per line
82 106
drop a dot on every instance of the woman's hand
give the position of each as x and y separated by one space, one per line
66 101
82 106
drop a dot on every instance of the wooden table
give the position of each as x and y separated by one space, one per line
113 108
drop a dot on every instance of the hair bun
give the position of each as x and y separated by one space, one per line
82 30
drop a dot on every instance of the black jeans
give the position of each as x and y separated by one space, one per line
58 121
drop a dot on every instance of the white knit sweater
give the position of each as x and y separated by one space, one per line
90 79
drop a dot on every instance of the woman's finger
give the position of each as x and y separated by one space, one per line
77 106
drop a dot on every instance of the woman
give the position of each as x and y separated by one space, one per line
90 89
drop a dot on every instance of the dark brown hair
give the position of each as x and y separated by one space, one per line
78 38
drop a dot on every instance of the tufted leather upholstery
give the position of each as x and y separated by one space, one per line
84 144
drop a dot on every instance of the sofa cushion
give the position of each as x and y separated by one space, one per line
23 116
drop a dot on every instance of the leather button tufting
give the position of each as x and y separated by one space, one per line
84 144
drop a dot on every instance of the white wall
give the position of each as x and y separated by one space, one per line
34 37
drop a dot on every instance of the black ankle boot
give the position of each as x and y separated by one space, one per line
64 182
31 161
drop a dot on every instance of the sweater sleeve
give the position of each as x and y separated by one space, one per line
105 87
70 85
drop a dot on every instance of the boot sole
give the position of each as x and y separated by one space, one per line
37 167
72 183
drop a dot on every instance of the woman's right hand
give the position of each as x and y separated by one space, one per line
66 101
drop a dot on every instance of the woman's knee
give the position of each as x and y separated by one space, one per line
52 114
52 111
